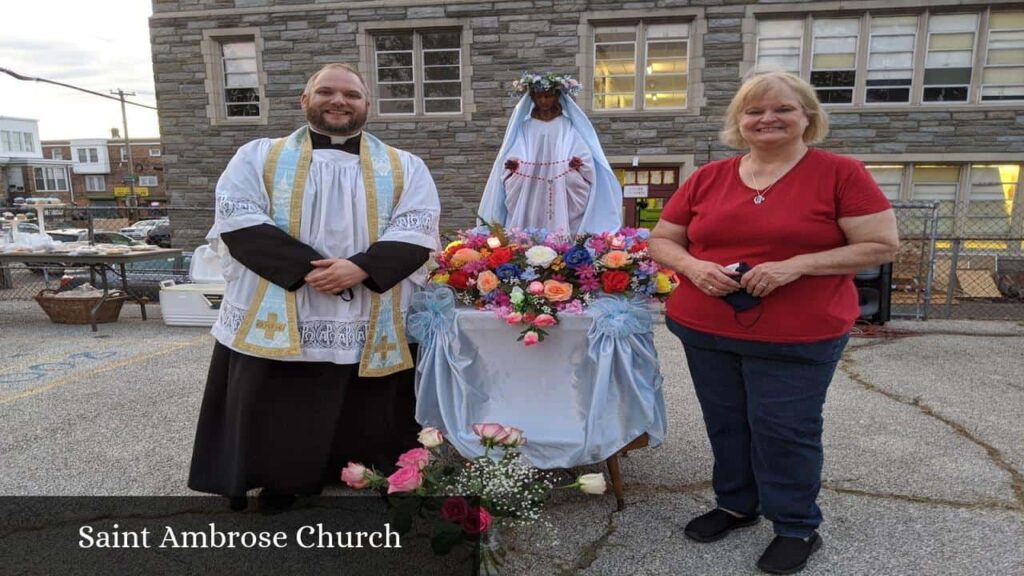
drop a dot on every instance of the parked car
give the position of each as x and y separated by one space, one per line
160 235
144 276
139 229
28 228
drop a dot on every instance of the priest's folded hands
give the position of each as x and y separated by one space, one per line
332 275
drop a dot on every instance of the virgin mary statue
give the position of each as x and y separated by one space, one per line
551 172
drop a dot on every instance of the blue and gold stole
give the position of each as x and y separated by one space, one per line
270 327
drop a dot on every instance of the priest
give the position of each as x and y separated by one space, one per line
323 235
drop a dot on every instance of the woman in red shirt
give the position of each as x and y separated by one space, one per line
762 345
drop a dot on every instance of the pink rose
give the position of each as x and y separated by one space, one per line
416 458
513 437
544 321
477 521
531 338
513 318
488 431
455 509
354 476
486 282
405 480
535 288
556 291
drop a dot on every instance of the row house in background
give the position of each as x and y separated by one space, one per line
928 94
24 171
100 170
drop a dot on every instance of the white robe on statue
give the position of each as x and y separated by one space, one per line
334 224
546 193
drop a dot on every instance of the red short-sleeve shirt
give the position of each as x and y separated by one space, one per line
798 216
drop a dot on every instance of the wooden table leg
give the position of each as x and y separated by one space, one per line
616 474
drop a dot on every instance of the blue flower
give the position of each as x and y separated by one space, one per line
529 274
508 271
577 256
643 233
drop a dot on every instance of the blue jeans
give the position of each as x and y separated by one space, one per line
762 404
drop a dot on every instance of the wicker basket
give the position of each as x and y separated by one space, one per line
76 310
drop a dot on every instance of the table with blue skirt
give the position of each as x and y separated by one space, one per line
589 391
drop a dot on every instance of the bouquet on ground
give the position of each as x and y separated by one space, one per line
529 277
470 499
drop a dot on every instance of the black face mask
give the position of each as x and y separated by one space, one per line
741 301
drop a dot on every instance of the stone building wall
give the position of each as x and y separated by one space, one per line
507 37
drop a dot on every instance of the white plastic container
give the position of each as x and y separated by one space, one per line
194 304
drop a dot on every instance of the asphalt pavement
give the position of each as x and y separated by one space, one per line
924 449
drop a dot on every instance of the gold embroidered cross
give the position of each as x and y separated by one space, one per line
270 326
384 348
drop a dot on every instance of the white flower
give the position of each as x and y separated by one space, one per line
430 437
592 483
540 256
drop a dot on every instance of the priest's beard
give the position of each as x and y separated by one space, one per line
316 118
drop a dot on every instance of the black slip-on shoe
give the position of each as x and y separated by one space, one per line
238 503
788 555
271 501
716 525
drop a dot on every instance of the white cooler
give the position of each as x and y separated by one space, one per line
194 304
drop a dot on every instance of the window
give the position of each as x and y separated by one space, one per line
890 68
939 184
51 179
947 71
88 155
641 67
418 72
95 184
56 154
124 154
11 141
889 179
834 59
154 152
148 181
241 79
235 79
1003 77
992 197
910 59
779 43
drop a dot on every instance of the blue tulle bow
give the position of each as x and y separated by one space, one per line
620 317
430 311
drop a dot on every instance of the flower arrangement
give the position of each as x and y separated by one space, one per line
535 82
478 495
530 277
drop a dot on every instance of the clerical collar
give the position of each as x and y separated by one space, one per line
348 144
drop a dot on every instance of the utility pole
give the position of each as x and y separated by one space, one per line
132 200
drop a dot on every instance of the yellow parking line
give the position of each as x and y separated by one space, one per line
99 370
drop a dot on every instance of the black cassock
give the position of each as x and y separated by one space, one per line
292 426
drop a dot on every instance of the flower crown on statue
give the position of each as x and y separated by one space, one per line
534 82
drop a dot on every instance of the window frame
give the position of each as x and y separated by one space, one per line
143 181
369 31
641 48
693 17
155 152
215 83
47 172
865 11
92 178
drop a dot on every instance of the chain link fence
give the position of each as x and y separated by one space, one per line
119 226
936 273
940 274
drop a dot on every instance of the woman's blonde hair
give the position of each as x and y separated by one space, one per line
761 83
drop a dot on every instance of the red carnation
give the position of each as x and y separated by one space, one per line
637 247
501 255
613 281
459 280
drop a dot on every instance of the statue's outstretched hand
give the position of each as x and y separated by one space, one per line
512 164
575 162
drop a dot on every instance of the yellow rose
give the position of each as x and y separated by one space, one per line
615 259
464 256
440 278
486 282
453 244
556 291
662 283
